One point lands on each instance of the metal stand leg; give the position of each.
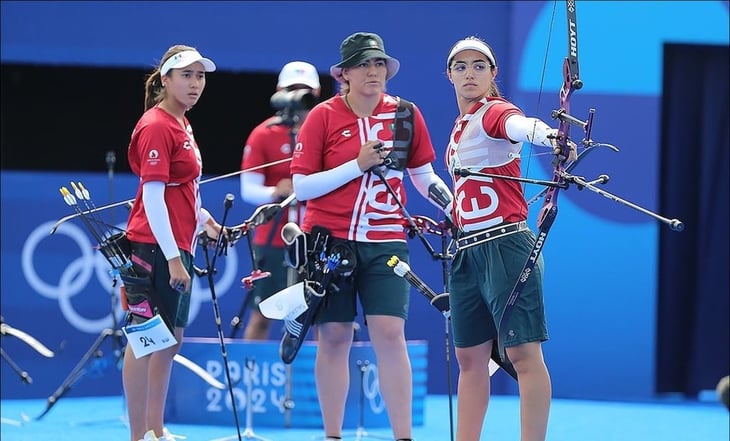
(292, 277)
(248, 433)
(449, 387)
(237, 321)
(80, 370)
(288, 401)
(24, 376)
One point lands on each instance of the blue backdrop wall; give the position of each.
(601, 257)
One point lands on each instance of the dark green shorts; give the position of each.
(380, 290)
(175, 304)
(269, 259)
(482, 278)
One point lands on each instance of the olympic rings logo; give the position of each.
(371, 388)
(76, 276)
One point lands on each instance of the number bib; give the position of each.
(148, 337)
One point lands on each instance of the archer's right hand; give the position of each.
(371, 154)
(283, 189)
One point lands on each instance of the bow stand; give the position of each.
(261, 215)
(220, 245)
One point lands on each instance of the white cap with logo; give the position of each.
(298, 72)
(185, 59)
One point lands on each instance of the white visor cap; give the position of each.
(298, 72)
(185, 59)
(473, 45)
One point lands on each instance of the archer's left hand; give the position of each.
(558, 150)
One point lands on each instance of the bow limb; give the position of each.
(199, 371)
(571, 83)
(549, 210)
(26, 338)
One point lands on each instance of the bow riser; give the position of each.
(549, 209)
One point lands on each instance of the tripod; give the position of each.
(81, 368)
(237, 321)
(93, 353)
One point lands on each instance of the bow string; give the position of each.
(549, 210)
(562, 177)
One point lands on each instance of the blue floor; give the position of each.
(92, 419)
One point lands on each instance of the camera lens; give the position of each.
(302, 99)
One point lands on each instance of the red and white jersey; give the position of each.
(161, 150)
(264, 146)
(361, 210)
(479, 143)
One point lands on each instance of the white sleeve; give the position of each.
(203, 216)
(253, 189)
(424, 178)
(317, 184)
(523, 129)
(153, 197)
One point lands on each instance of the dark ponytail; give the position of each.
(154, 91)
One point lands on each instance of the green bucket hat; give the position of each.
(362, 46)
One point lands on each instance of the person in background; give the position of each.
(723, 391)
(163, 225)
(337, 169)
(271, 142)
(493, 244)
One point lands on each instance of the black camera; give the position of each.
(301, 99)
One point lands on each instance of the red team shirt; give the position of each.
(362, 209)
(481, 202)
(161, 150)
(263, 146)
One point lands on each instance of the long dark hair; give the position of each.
(154, 92)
